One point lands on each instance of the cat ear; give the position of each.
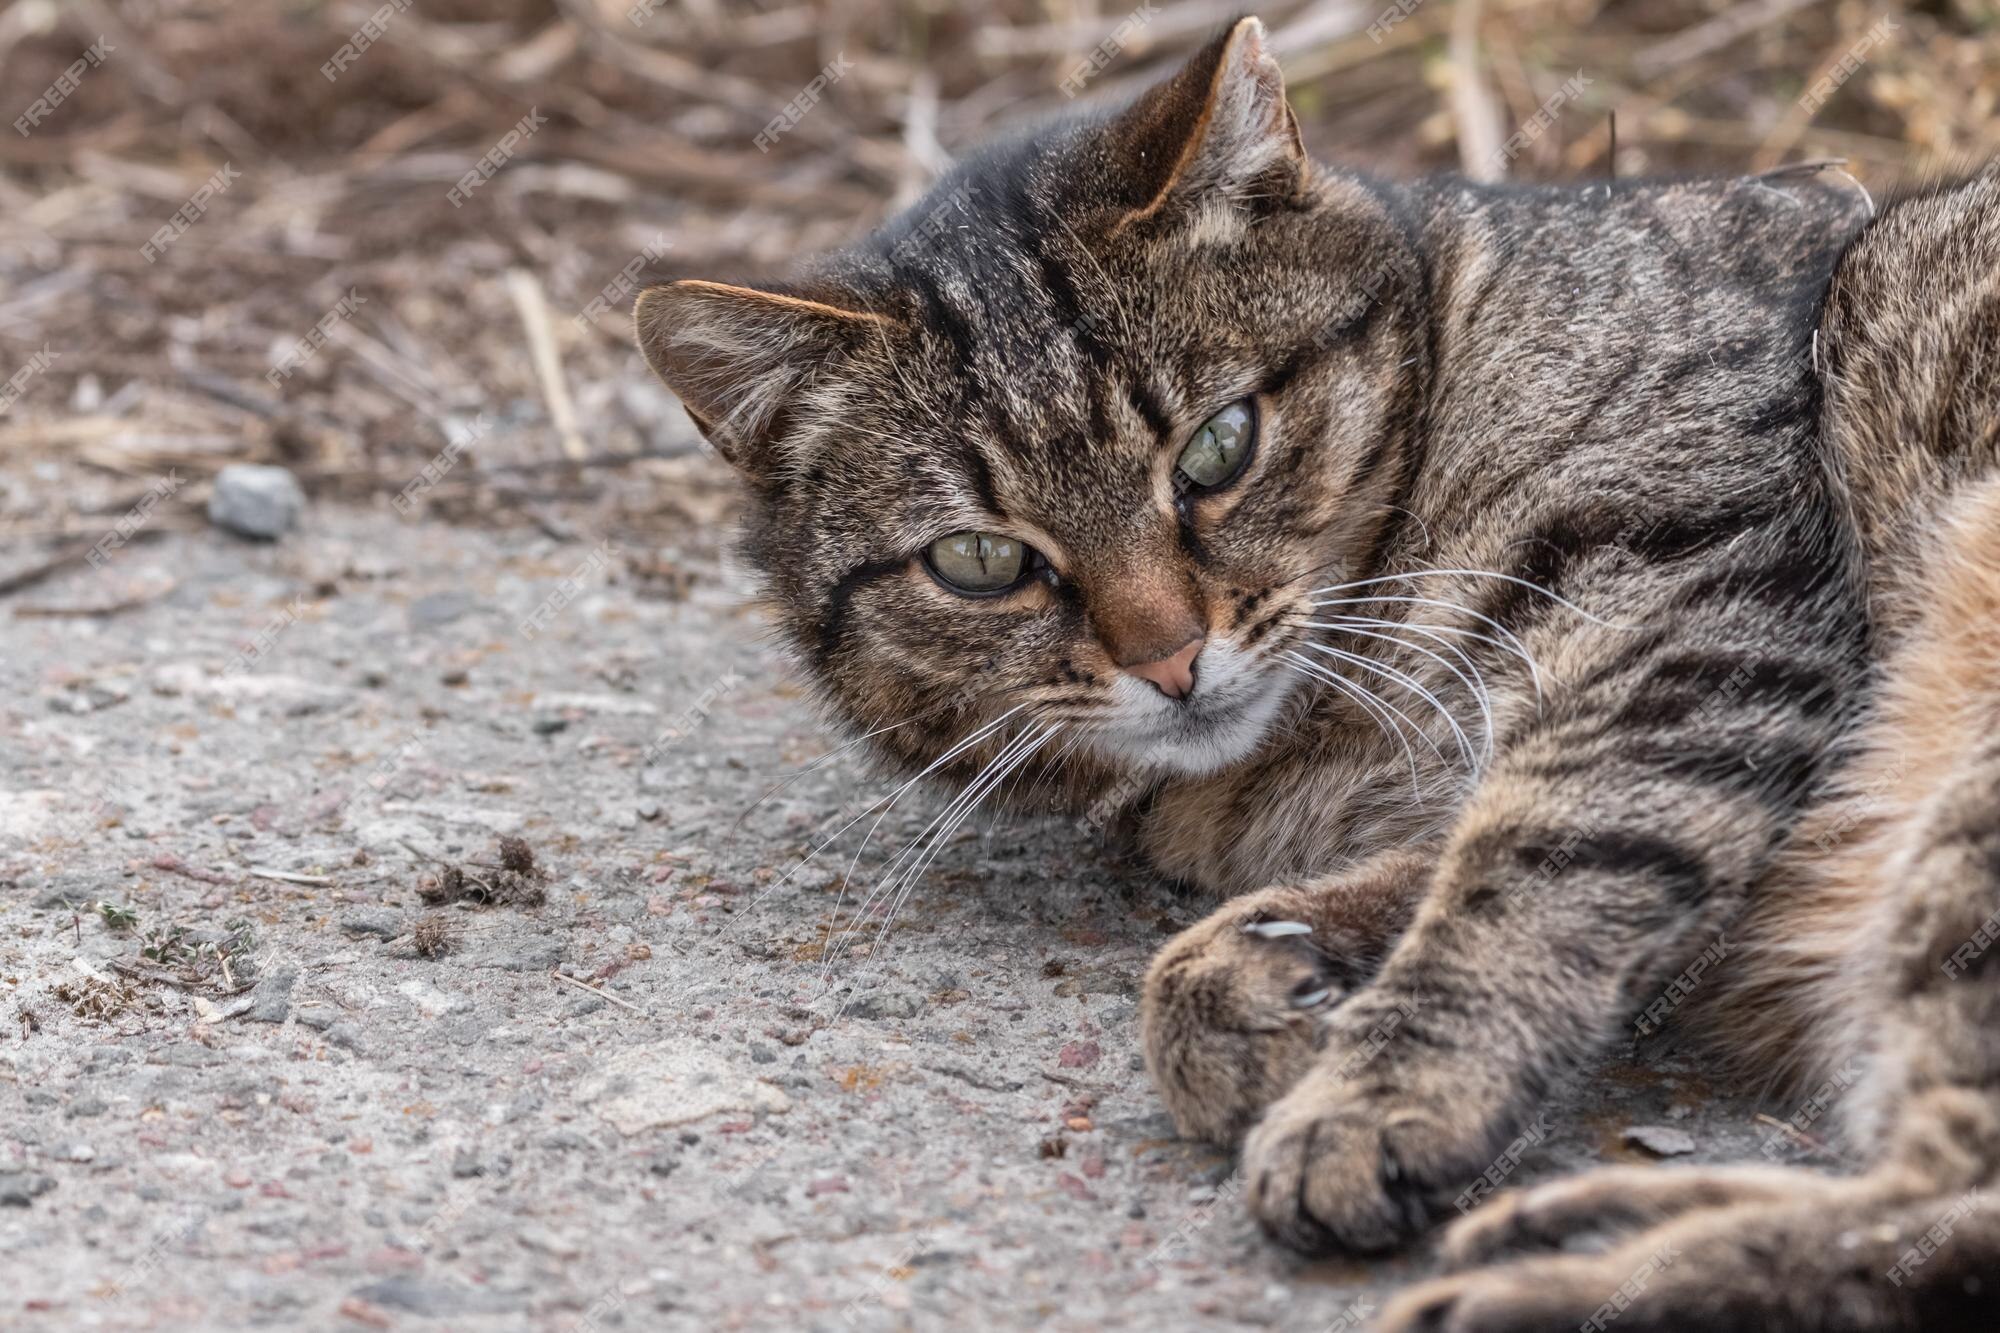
(1221, 124)
(733, 355)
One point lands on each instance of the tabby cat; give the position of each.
(1504, 596)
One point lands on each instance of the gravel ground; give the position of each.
(355, 1135)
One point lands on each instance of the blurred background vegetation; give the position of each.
(477, 314)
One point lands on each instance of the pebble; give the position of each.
(18, 1189)
(548, 1242)
(1660, 1140)
(439, 609)
(381, 924)
(255, 500)
(272, 999)
(538, 956)
(888, 1004)
(433, 1299)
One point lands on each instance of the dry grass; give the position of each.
(649, 153)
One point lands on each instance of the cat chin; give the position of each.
(1196, 741)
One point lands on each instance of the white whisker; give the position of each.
(815, 765)
(1312, 670)
(1514, 644)
(978, 735)
(902, 872)
(1478, 691)
(1557, 598)
(1408, 682)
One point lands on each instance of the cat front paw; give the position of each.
(1232, 1007)
(1364, 1152)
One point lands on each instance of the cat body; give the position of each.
(1507, 595)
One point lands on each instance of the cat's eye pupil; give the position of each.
(977, 562)
(1219, 449)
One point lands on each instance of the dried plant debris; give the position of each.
(516, 855)
(434, 936)
(95, 996)
(516, 880)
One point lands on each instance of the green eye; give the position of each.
(976, 562)
(1220, 448)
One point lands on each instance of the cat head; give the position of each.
(1070, 440)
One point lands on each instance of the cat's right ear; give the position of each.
(735, 355)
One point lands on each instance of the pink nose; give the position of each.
(1172, 676)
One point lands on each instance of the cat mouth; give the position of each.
(1204, 733)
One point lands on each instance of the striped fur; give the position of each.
(1604, 547)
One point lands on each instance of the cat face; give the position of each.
(1066, 445)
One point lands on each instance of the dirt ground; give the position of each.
(736, 1126)
(249, 1075)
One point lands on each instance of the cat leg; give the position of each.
(1610, 840)
(1231, 1011)
(1848, 1262)
(1618, 1199)
(1915, 1242)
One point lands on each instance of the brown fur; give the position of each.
(1597, 544)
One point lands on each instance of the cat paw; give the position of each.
(1786, 1251)
(1232, 1007)
(1351, 1164)
(1605, 1203)
(1392, 1121)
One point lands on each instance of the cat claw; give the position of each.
(1272, 930)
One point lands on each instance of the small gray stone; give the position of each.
(381, 924)
(888, 1004)
(318, 1018)
(18, 1189)
(273, 996)
(649, 810)
(59, 896)
(439, 609)
(761, 1054)
(432, 1299)
(345, 1035)
(189, 1054)
(255, 500)
(534, 957)
(1660, 1140)
(85, 1107)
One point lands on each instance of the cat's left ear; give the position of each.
(1220, 126)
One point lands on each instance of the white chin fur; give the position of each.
(1221, 725)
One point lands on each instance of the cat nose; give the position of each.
(1172, 676)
